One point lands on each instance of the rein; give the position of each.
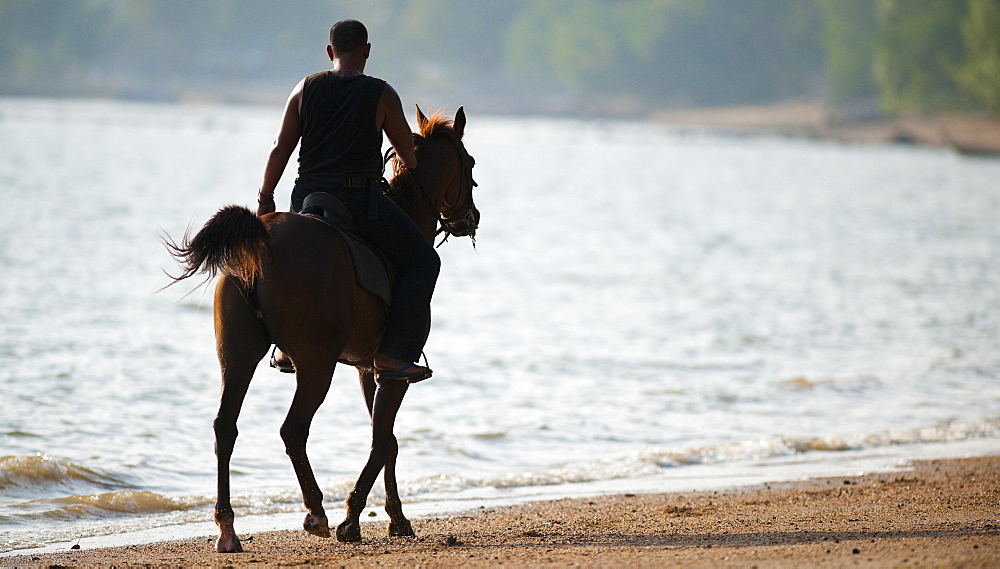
(448, 223)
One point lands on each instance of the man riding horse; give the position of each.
(339, 115)
(288, 280)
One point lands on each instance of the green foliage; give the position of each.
(580, 42)
(919, 51)
(850, 33)
(690, 52)
(980, 74)
(912, 55)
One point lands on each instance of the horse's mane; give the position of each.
(403, 187)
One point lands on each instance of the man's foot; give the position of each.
(281, 362)
(393, 369)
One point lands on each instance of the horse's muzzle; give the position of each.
(465, 225)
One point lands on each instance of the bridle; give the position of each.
(453, 221)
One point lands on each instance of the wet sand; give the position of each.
(942, 513)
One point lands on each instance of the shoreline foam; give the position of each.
(941, 512)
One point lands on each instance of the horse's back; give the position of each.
(304, 253)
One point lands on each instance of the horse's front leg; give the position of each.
(398, 524)
(312, 387)
(385, 403)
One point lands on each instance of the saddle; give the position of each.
(374, 271)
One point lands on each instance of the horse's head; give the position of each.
(443, 176)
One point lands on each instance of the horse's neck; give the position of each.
(427, 226)
(420, 207)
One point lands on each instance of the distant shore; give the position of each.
(968, 133)
(942, 513)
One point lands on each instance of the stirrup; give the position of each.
(287, 368)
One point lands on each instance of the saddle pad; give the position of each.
(373, 271)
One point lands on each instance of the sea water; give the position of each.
(646, 309)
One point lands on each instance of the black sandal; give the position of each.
(418, 374)
(401, 374)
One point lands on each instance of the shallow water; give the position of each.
(647, 308)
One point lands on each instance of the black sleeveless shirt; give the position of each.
(339, 134)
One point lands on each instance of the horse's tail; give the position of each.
(234, 242)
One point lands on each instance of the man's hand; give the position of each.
(265, 204)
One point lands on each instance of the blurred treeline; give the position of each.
(625, 56)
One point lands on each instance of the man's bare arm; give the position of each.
(281, 150)
(393, 122)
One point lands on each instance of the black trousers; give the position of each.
(417, 263)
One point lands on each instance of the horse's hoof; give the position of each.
(349, 532)
(228, 544)
(316, 525)
(401, 528)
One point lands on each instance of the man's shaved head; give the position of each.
(348, 36)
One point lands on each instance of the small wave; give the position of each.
(777, 446)
(104, 505)
(950, 431)
(40, 522)
(123, 502)
(42, 471)
(22, 434)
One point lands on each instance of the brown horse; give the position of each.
(288, 279)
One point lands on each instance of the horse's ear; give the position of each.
(460, 121)
(421, 119)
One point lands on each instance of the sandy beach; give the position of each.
(968, 133)
(942, 513)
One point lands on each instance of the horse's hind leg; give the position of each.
(384, 404)
(313, 383)
(398, 524)
(234, 389)
(241, 341)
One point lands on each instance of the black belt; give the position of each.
(357, 182)
(366, 183)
